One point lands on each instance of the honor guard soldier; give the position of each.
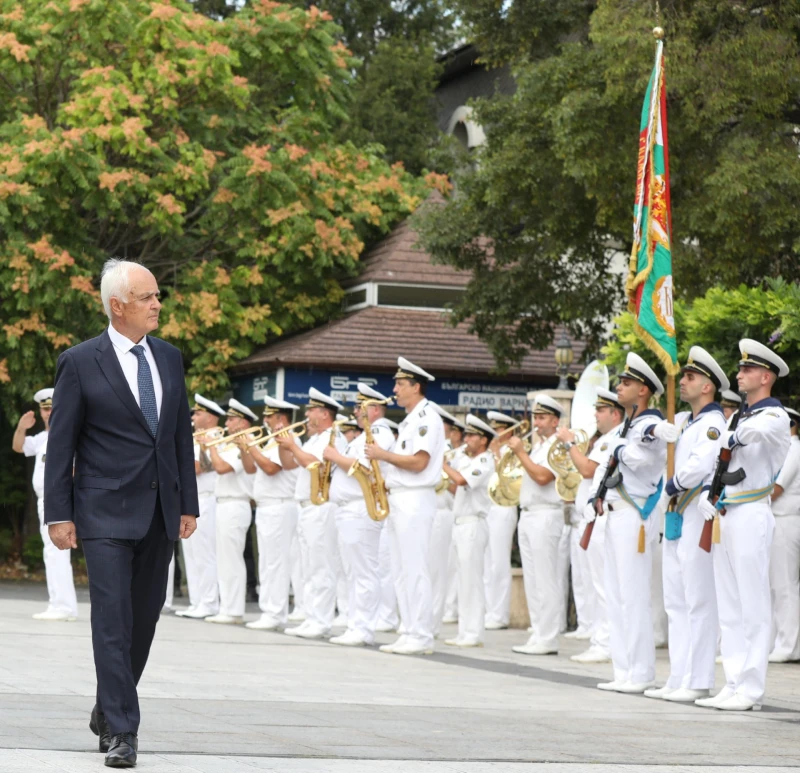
(276, 519)
(359, 535)
(502, 522)
(200, 552)
(441, 545)
(316, 526)
(628, 505)
(759, 447)
(62, 601)
(235, 470)
(730, 402)
(688, 573)
(414, 470)
(784, 565)
(540, 525)
(470, 483)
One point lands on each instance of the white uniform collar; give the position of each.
(123, 343)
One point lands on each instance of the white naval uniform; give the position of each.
(688, 573)
(276, 525)
(57, 564)
(359, 537)
(541, 525)
(318, 545)
(784, 566)
(501, 523)
(471, 536)
(200, 552)
(412, 506)
(628, 572)
(388, 619)
(233, 518)
(442, 547)
(582, 589)
(741, 559)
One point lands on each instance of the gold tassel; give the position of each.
(641, 538)
(715, 530)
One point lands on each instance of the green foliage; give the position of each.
(550, 196)
(32, 555)
(6, 544)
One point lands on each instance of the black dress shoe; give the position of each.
(122, 752)
(99, 726)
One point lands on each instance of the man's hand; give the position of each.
(188, 526)
(27, 420)
(515, 444)
(374, 451)
(565, 435)
(286, 442)
(707, 510)
(330, 454)
(63, 535)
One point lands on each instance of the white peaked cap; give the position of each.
(43, 395)
(500, 418)
(208, 405)
(406, 369)
(793, 414)
(315, 397)
(448, 417)
(607, 397)
(730, 397)
(754, 353)
(279, 405)
(702, 362)
(392, 424)
(235, 408)
(369, 393)
(480, 427)
(547, 404)
(637, 369)
(342, 417)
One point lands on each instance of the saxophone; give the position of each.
(321, 472)
(370, 478)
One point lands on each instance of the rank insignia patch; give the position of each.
(713, 433)
(476, 472)
(604, 446)
(423, 431)
(403, 444)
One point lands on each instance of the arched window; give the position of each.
(464, 129)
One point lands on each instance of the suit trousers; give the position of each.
(276, 524)
(58, 572)
(784, 580)
(200, 558)
(127, 585)
(233, 525)
(501, 523)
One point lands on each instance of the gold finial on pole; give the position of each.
(658, 33)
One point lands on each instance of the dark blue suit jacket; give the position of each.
(119, 467)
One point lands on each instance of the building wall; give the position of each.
(475, 82)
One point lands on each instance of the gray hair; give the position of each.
(115, 281)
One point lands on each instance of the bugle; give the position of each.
(298, 429)
(212, 432)
(254, 432)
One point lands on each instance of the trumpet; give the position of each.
(521, 427)
(298, 429)
(254, 432)
(213, 432)
(444, 482)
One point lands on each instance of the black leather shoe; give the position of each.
(99, 726)
(122, 752)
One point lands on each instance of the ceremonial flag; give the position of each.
(649, 284)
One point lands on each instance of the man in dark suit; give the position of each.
(120, 475)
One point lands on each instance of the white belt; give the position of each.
(467, 519)
(539, 509)
(233, 499)
(205, 493)
(266, 501)
(304, 502)
(398, 489)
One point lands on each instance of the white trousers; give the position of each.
(359, 545)
(296, 569)
(784, 580)
(627, 585)
(596, 556)
(471, 538)
(451, 597)
(318, 542)
(741, 575)
(582, 588)
(540, 535)
(501, 523)
(342, 598)
(439, 562)
(387, 609)
(411, 517)
(276, 524)
(563, 571)
(660, 623)
(200, 557)
(233, 522)
(58, 572)
(691, 604)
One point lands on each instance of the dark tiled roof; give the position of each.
(374, 337)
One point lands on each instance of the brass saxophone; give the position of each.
(321, 472)
(370, 478)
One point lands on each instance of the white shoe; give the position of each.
(718, 660)
(463, 642)
(196, 613)
(167, 609)
(391, 647)
(55, 616)
(635, 688)
(224, 619)
(534, 649)
(739, 703)
(411, 647)
(297, 616)
(264, 623)
(385, 628)
(592, 655)
(349, 639)
(578, 635)
(449, 619)
(295, 631)
(720, 697)
(610, 686)
(686, 695)
(340, 621)
(779, 657)
(494, 626)
(312, 631)
(660, 692)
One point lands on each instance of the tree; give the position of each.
(206, 150)
(546, 202)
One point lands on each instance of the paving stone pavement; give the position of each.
(223, 698)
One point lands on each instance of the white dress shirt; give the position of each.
(421, 430)
(531, 494)
(130, 365)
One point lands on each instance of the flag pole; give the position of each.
(671, 420)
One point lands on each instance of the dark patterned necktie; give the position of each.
(147, 394)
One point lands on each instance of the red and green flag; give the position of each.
(649, 284)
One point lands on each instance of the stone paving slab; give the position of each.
(223, 698)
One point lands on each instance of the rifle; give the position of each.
(602, 489)
(721, 478)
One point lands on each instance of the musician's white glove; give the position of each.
(707, 510)
(666, 431)
(589, 513)
(726, 439)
